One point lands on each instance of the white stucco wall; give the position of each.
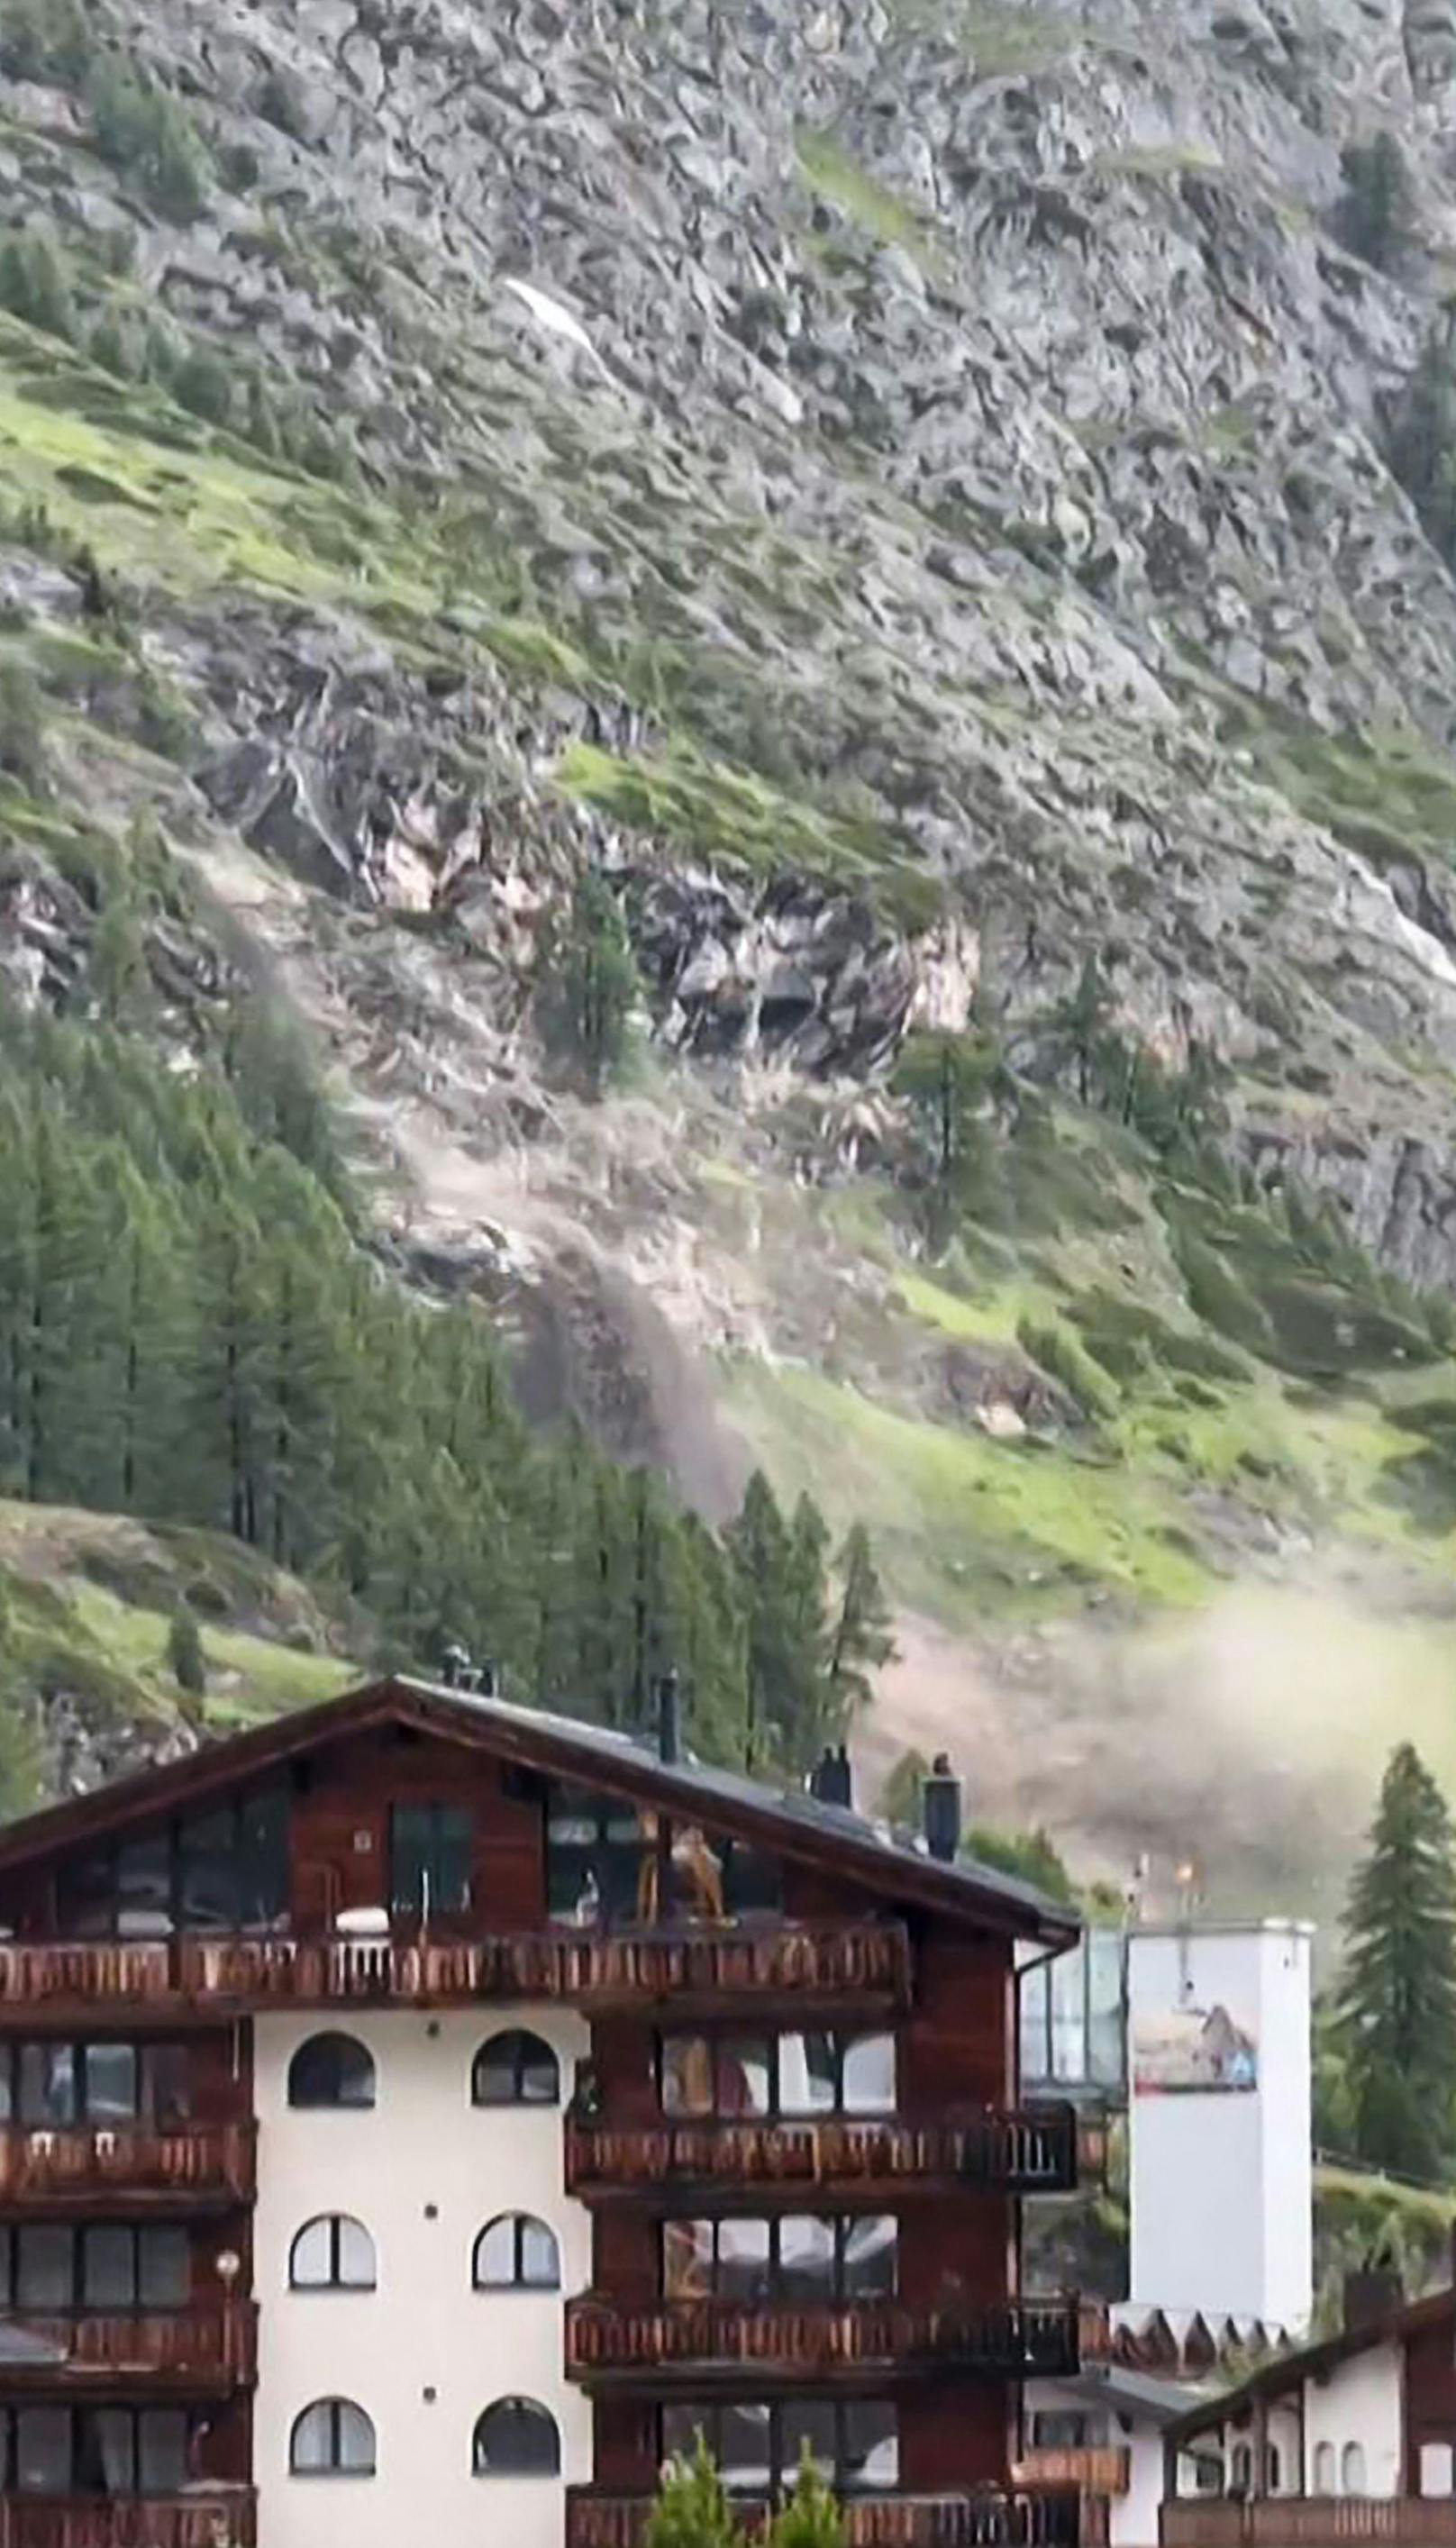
(424, 2328)
(1360, 2402)
(1133, 2523)
(1220, 2181)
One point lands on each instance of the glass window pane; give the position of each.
(751, 1882)
(86, 1896)
(108, 2267)
(870, 2258)
(806, 2259)
(449, 1888)
(808, 2424)
(105, 2451)
(43, 2266)
(681, 2427)
(743, 2448)
(48, 2083)
(539, 2267)
(1069, 2017)
(166, 2085)
(208, 1850)
(263, 1858)
(42, 2450)
(310, 2262)
(162, 2450)
(8, 2053)
(494, 2255)
(743, 2271)
(144, 1888)
(687, 2260)
(807, 2074)
(164, 2275)
(311, 2447)
(744, 2073)
(540, 2073)
(870, 2074)
(687, 2075)
(110, 2073)
(870, 2448)
(1105, 1955)
(1036, 2021)
(355, 2255)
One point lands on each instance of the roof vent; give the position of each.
(668, 1719)
(832, 1779)
(940, 1810)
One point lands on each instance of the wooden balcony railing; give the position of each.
(213, 2348)
(866, 1961)
(207, 2517)
(1030, 2150)
(151, 2164)
(1314, 2522)
(1103, 2471)
(988, 2518)
(1020, 2339)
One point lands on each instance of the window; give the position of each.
(516, 2254)
(1240, 2469)
(331, 2070)
(50, 2085)
(1352, 2469)
(1437, 2469)
(105, 2265)
(737, 2075)
(331, 2438)
(334, 2253)
(429, 1859)
(224, 1869)
(1057, 2428)
(516, 2438)
(1323, 2468)
(801, 2258)
(596, 1847)
(516, 2069)
(94, 2450)
(854, 2441)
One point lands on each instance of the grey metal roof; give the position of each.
(795, 1808)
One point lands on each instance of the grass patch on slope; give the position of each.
(837, 178)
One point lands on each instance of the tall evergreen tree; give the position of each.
(692, 2509)
(1397, 2001)
(860, 1639)
(811, 2517)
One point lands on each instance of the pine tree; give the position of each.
(599, 978)
(1397, 2001)
(950, 1082)
(811, 2517)
(781, 1584)
(692, 2509)
(860, 1641)
(186, 1660)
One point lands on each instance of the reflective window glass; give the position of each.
(870, 2075)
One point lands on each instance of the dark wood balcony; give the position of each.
(1312, 2521)
(212, 2350)
(864, 1963)
(727, 2340)
(988, 2518)
(1102, 2472)
(206, 2517)
(1031, 2150)
(184, 2167)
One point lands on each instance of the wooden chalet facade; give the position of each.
(439, 2097)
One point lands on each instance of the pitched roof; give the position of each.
(1316, 2361)
(797, 1825)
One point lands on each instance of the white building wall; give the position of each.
(1220, 2180)
(1361, 2403)
(424, 2353)
(1134, 2519)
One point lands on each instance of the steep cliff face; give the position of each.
(905, 488)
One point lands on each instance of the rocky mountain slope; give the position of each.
(906, 490)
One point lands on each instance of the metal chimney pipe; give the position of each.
(940, 1810)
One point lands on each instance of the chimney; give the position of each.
(455, 1668)
(940, 1810)
(1370, 2295)
(832, 1779)
(668, 1719)
(482, 1678)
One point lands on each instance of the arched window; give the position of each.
(1273, 2470)
(516, 2438)
(1352, 2469)
(1240, 2469)
(331, 2438)
(516, 2254)
(516, 2069)
(331, 2070)
(331, 2254)
(1324, 2468)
